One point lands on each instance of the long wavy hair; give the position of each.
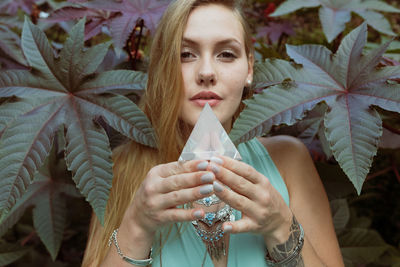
(161, 103)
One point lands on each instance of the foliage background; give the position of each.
(368, 225)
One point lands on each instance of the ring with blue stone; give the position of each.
(209, 201)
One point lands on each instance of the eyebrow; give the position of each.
(188, 41)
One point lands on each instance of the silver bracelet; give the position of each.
(294, 254)
(113, 239)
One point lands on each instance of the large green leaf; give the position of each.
(378, 5)
(341, 214)
(47, 195)
(317, 59)
(23, 148)
(76, 63)
(293, 5)
(65, 91)
(27, 200)
(327, 15)
(334, 14)
(10, 47)
(350, 85)
(120, 114)
(362, 246)
(10, 253)
(273, 72)
(49, 218)
(308, 128)
(88, 156)
(377, 21)
(10, 110)
(353, 132)
(275, 105)
(50, 210)
(283, 103)
(24, 84)
(115, 81)
(393, 51)
(40, 55)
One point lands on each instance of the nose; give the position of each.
(206, 75)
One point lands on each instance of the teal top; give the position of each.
(184, 248)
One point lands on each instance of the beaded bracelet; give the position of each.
(294, 254)
(113, 239)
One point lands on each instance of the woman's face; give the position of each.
(215, 66)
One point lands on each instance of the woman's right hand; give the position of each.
(165, 187)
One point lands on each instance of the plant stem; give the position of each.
(396, 172)
(132, 45)
(28, 238)
(378, 173)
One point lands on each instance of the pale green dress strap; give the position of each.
(183, 248)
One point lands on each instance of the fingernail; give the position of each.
(217, 187)
(198, 214)
(202, 166)
(214, 168)
(206, 189)
(227, 228)
(217, 160)
(207, 178)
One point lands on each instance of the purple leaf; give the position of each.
(274, 30)
(95, 18)
(131, 10)
(11, 6)
(121, 28)
(73, 13)
(94, 27)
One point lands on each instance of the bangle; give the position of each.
(145, 262)
(293, 254)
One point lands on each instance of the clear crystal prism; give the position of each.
(208, 139)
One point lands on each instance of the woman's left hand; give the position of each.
(263, 209)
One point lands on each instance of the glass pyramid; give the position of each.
(208, 139)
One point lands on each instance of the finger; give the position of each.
(235, 200)
(237, 183)
(183, 196)
(241, 226)
(185, 180)
(238, 167)
(173, 168)
(180, 215)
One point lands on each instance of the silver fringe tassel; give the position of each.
(216, 249)
(214, 240)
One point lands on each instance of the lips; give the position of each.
(204, 97)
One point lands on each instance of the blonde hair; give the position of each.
(161, 103)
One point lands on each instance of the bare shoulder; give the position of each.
(284, 148)
(292, 159)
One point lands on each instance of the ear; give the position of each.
(250, 67)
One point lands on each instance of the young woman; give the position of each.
(202, 53)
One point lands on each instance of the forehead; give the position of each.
(213, 21)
